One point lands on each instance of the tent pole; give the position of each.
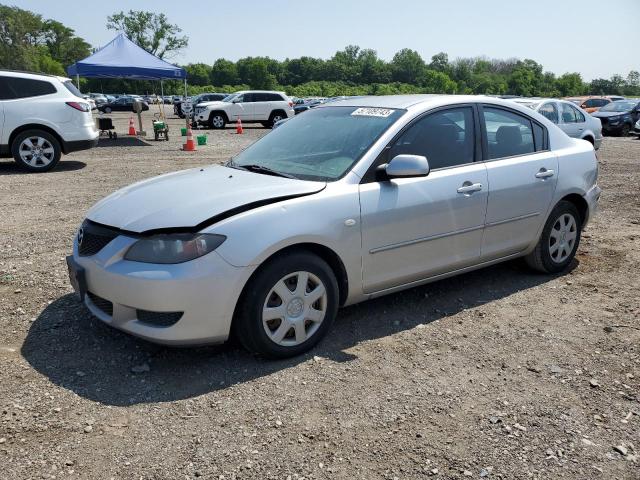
(161, 99)
(78, 81)
(185, 99)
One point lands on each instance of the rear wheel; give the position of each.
(107, 109)
(36, 150)
(559, 240)
(626, 129)
(288, 306)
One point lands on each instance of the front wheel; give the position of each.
(36, 150)
(107, 109)
(288, 306)
(626, 129)
(559, 240)
(217, 121)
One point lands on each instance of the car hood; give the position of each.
(607, 114)
(194, 199)
(208, 104)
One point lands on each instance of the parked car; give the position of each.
(619, 118)
(122, 104)
(98, 98)
(636, 128)
(199, 100)
(306, 105)
(571, 119)
(592, 104)
(42, 117)
(252, 106)
(352, 200)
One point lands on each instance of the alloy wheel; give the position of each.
(294, 308)
(36, 151)
(562, 237)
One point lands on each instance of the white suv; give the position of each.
(251, 106)
(42, 117)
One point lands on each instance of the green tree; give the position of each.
(224, 72)
(437, 82)
(407, 66)
(151, 31)
(63, 45)
(570, 84)
(198, 73)
(440, 62)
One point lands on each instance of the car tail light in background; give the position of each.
(83, 107)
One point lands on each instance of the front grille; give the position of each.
(102, 304)
(159, 319)
(94, 238)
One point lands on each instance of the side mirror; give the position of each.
(407, 166)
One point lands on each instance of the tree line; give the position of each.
(29, 42)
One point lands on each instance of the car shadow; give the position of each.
(78, 352)
(12, 168)
(122, 142)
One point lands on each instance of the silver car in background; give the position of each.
(352, 200)
(571, 119)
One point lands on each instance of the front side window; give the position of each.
(446, 138)
(508, 134)
(550, 111)
(323, 144)
(26, 87)
(568, 114)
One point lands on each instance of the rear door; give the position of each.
(262, 106)
(522, 175)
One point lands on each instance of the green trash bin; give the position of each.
(202, 139)
(183, 131)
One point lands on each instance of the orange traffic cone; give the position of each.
(132, 128)
(190, 146)
(239, 129)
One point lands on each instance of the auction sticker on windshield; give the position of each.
(372, 112)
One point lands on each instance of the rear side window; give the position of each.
(569, 114)
(579, 115)
(446, 138)
(550, 111)
(14, 87)
(72, 88)
(508, 134)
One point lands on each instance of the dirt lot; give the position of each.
(498, 374)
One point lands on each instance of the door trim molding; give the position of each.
(424, 239)
(513, 219)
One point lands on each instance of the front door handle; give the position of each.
(544, 173)
(468, 187)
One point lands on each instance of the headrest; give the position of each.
(509, 135)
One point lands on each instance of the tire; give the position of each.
(107, 109)
(266, 124)
(559, 240)
(275, 117)
(36, 150)
(307, 314)
(217, 121)
(626, 129)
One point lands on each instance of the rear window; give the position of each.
(14, 87)
(72, 88)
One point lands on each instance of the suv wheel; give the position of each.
(559, 240)
(36, 150)
(288, 306)
(217, 121)
(275, 118)
(626, 128)
(107, 109)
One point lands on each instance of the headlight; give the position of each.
(614, 119)
(173, 248)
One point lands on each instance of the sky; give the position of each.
(596, 38)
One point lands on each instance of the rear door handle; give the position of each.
(468, 187)
(544, 173)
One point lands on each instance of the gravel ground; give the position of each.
(497, 374)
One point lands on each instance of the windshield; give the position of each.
(322, 144)
(618, 107)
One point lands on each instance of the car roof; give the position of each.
(34, 75)
(408, 101)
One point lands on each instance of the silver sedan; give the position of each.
(352, 200)
(571, 119)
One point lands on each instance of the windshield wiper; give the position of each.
(262, 169)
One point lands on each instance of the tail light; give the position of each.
(83, 107)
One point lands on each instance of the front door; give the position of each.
(522, 175)
(242, 107)
(414, 228)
